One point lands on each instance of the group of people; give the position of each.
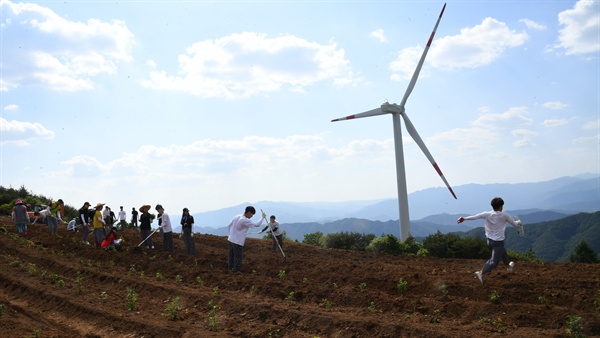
(105, 233)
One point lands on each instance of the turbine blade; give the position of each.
(413, 133)
(373, 112)
(415, 76)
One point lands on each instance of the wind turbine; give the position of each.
(397, 111)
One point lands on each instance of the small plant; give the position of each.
(36, 332)
(216, 290)
(273, 333)
(159, 276)
(111, 263)
(335, 285)
(199, 281)
(289, 298)
(435, 317)
(372, 308)
(103, 295)
(61, 283)
(282, 274)
(32, 269)
(597, 301)
(498, 325)
(304, 280)
(2, 306)
(132, 298)
(362, 286)
(213, 318)
(142, 274)
(402, 286)
(574, 327)
(53, 278)
(15, 263)
(178, 278)
(79, 283)
(252, 291)
(173, 309)
(444, 289)
(495, 297)
(132, 269)
(327, 303)
(543, 300)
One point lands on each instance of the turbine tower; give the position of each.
(397, 111)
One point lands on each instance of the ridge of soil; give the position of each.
(56, 286)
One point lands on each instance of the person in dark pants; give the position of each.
(187, 223)
(146, 225)
(134, 218)
(275, 232)
(84, 221)
(238, 227)
(164, 223)
(495, 226)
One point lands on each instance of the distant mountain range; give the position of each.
(564, 196)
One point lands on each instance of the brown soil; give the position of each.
(314, 292)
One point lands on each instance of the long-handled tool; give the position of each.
(149, 236)
(275, 238)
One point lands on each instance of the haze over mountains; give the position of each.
(562, 196)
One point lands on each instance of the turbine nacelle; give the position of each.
(392, 108)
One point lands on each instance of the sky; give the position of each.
(211, 104)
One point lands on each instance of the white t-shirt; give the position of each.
(495, 223)
(122, 215)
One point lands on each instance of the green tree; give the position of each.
(316, 238)
(584, 253)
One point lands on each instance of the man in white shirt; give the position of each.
(238, 227)
(122, 218)
(495, 225)
(164, 223)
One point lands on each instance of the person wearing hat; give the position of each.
(164, 223)
(187, 223)
(98, 223)
(19, 216)
(146, 225)
(84, 221)
(238, 227)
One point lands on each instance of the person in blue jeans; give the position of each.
(495, 226)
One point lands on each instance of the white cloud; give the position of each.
(379, 35)
(11, 107)
(47, 49)
(475, 47)
(554, 105)
(581, 28)
(525, 138)
(406, 62)
(533, 25)
(514, 116)
(591, 125)
(245, 64)
(22, 133)
(555, 122)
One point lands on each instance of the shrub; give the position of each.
(385, 244)
(316, 238)
(453, 246)
(348, 241)
(584, 253)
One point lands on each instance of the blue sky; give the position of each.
(212, 104)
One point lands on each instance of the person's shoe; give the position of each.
(479, 276)
(511, 266)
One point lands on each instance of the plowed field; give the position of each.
(55, 286)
